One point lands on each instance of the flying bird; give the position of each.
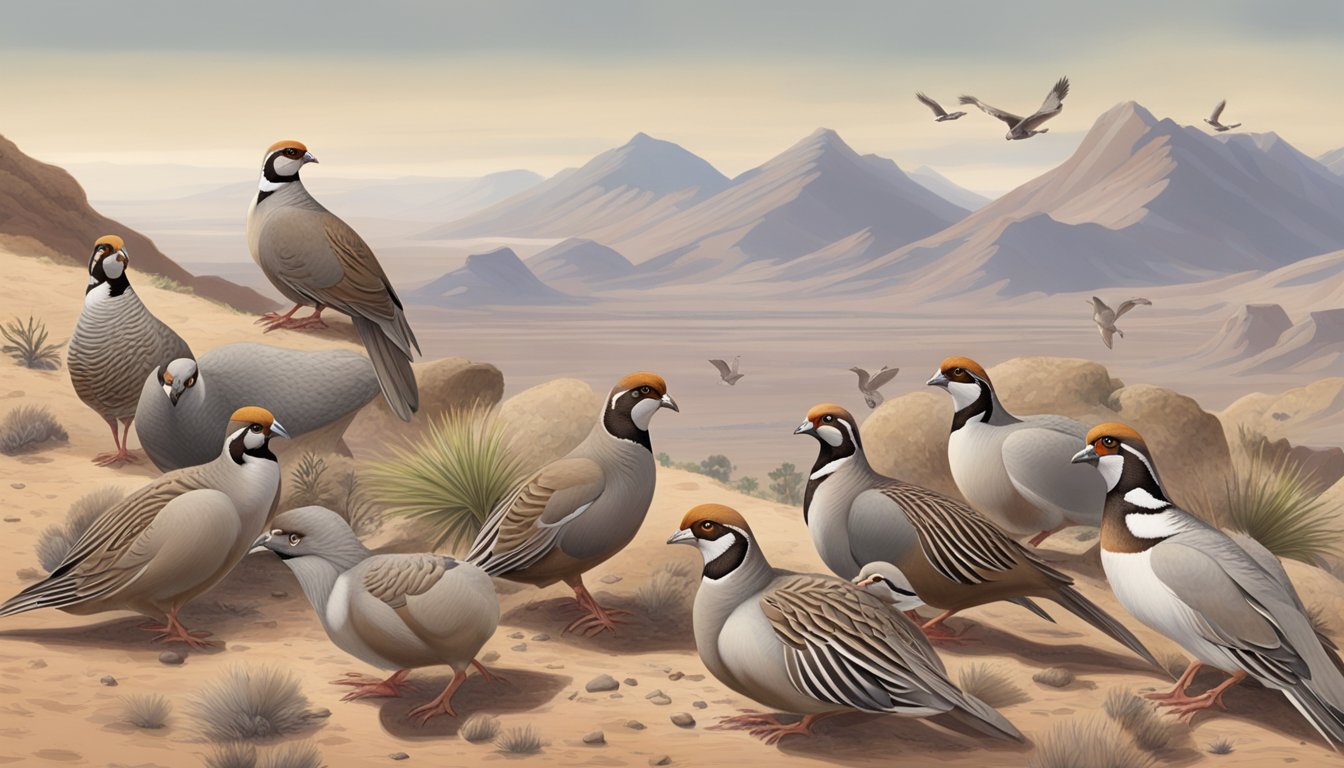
(1217, 113)
(940, 115)
(729, 374)
(1105, 317)
(869, 385)
(1026, 127)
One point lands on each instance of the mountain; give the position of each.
(945, 188)
(615, 194)
(1141, 201)
(1252, 330)
(43, 204)
(496, 277)
(1333, 161)
(1314, 346)
(579, 264)
(816, 205)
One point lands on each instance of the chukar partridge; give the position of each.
(117, 341)
(317, 260)
(576, 512)
(954, 558)
(1231, 609)
(809, 644)
(1015, 471)
(173, 539)
(186, 401)
(395, 612)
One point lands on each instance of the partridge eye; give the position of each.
(958, 371)
(294, 539)
(191, 382)
(707, 526)
(255, 428)
(1109, 442)
(828, 418)
(644, 390)
(291, 152)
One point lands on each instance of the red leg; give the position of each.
(172, 631)
(274, 320)
(1040, 538)
(443, 703)
(934, 629)
(768, 728)
(1187, 707)
(366, 687)
(122, 455)
(596, 619)
(1177, 693)
(304, 323)
(490, 677)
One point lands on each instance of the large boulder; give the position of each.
(1187, 442)
(447, 385)
(1062, 385)
(548, 420)
(906, 437)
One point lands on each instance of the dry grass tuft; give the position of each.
(28, 345)
(233, 755)
(479, 728)
(1221, 747)
(667, 593)
(28, 429)
(991, 685)
(251, 704)
(1087, 743)
(1055, 677)
(55, 542)
(519, 741)
(146, 710)
(1140, 719)
(303, 754)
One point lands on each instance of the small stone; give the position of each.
(631, 681)
(541, 638)
(683, 720)
(699, 705)
(660, 760)
(602, 684)
(610, 579)
(521, 647)
(634, 725)
(399, 756)
(661, 701)
(12, 519)
(675, 676)
(109, 681)
(37, 664)
(596, 737)
(171, 657)
(17, 486)
(653, 693)
(616, 696)
(320, 714)
(279, 593)
(573, 695)
(695, 678)
(555, 666)
(515, 635)
(489, 656)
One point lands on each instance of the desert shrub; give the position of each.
(718, 467)
(146, 710)
(169, 284)
(787, 484)
(313, 482)
(1055, 677)
(519, 741)
(28, 344)
(302, 754)
(1139, 718)
(251, 704)
(55, 542)
(991, 685)
(748, 485)
(307, 482)
(479, 728)
(28, 428)
(233, 755)
(667, 592)
(664, 460)
(1221, 747)
(453, 478)
(1087, 743)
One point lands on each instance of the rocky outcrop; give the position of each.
(1252, 330)
(447, 385)
(548, 420)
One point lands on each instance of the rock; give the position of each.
(616, 696)
(906, 437)
(520, 648)
(541, 638)
(515, 635)
(634, 725)
(489, 656)
(12, 519)
(452, 384)
(610, 578)
(399, 756)
(683, 720)
(171, 657)
(659, 698)
(17, 486)
(631, 681)
(279, 593)
(660, 760)
(654, 692)
(695, 678)
(676, 676)
(28, 574)
(699, 705)
(550, 419)
(596, 737)
(1187, 442)
(109, 681)
(602, 684)
(37, 664)
(1253, 329)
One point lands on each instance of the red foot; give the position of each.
(1040, 538)
(114, 458)
(596, 619)
(174, 632)
(288, 321)
(366, 687)
(767, 727)
(1187, 706)
(442, 704)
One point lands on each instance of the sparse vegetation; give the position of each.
(1139, 718)
(748, 485)
(1087, 743)
(479, 727)
(663, 459)
(1221, 747)
(718, 467)
(169, 284)
(302, 754)
(28, 344)
(29, 428)
(991, 685)
(667, 593)
(55, 542)
(311, 483)
(453, 478)
(519, 741)
(1055, 677)
(146, 710)
(251, 704)
(787, 484)
(233, 755)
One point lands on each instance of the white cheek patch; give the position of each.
(254, 440)
(113, 268)
(1111, 467)
(100, 292)
(1157, 525)
(643, 412)
(963, 394)
(712, 550)
(831, 435)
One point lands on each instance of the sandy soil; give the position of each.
(51, 663)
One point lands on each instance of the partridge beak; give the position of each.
(308, 158)
(1086, 456)
(668, 402)
(684, 536)
(938, 380)
(278, 431)
(173, 395)
(260, 544)
(804, 428)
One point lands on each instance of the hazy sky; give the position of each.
(465, 88)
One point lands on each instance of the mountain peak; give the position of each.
(1126, 111)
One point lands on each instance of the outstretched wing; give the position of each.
(1218, 111)
(1132, 303)
(1007, 117)
(1053, 105)
(931, 104)
(863, 378)
(882, 377)
(724, 369)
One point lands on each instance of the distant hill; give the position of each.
(579, 265)
(1333, 161)
(496, 277)
(947, 189)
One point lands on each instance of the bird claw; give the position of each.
(765, 727)
(113, 458)
(431, 710)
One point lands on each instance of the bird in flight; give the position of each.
(1217, 113)
(1026, 127)
(1105, 317)
(728, 373)
(869, 385)
(939, 114)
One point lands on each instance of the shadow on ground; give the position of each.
(525, 690)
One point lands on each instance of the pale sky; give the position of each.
(465, 88)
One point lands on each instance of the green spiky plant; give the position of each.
(28, 344)
(453, 477)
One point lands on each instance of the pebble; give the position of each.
(279, 593)
(17, 486)
(683, 720)
(12, 519)
(631, 681)
(37, 664)
(610, 579)
(171, 657)
(695, 678)
(515, 635)
(634, 725)
(109, 681)
(654, 693)
(659, 698)
(541, 638)
(675, 676)
(616, 696)
(555, 666)
(519, 647)
(660, 760)
(596, 737)
(489, 656)
(399, 756)
(699, 705)
(601, 684)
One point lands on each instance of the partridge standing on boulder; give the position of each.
(396, 612)
(810, 644)
(1015, 471)
(954, 558)
(173, 539)
(576, 512)
(1230, 608)
(315, 259)
(117, 341)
